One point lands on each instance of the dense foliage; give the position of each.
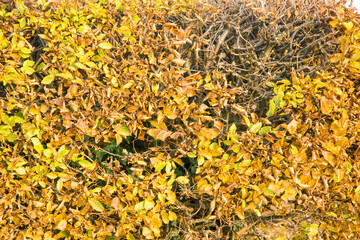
(179, 120)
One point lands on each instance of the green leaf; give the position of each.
(48, 79)
(277, 100)
(40, 66)
(95, 204)
(105, 45)
(256, 127)
(267, 192)
(265, 130)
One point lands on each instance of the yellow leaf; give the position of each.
(246, 121)
(256, 127)
(159, 134)
(240, 214)
(201, 160)
(326, 105)
(348, 25)
(178, 61)
(156, 224)
(51, 175)
(333, 23)
(147, 233)
(20, 171)
(105, 45)
(329, 157)
(25, 50)
(275, 188)
(267, 192)
(232, 128)
(123, 130)
(59, 185)
(149, 204)
(61, 225)
(81, 66)
(182, 180)
(313, 230)
(140, 206)
(292, 126)
(48, 79)
(257, 212)
(165, 216)
(191, 155)
(171, 196)
(95, 204)
(172, 216)
(84, 163)
(128, 85)
(289, 194)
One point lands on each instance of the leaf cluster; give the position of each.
(178, 119)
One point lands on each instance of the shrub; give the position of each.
(178, 119)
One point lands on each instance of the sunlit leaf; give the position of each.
(62, 225)
(160, 166)
(37, 144)
(11, 137)
(182, 180)
(264, 130)
(149, 204)
(123, 130)
(95, 204)
(267, 192)
(147, 233)
(52, 175)
(140, 206)
(256, 127)
(105, 45)
(129, 236)
(84, 163)
(191, 155)
(232, 128)
(172, 216)
(59, 185)
(48, 79)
